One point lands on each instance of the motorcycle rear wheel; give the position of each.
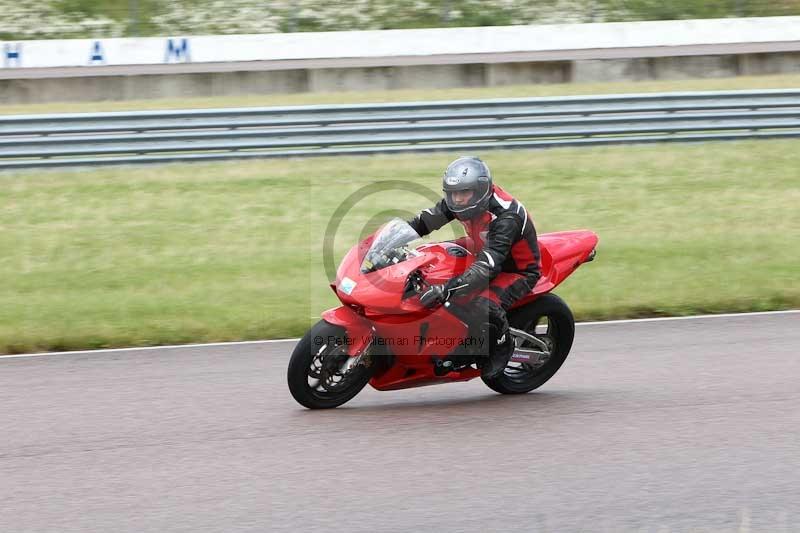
(549, 319)
(321, 375)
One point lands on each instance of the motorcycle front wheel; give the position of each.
(321, 374)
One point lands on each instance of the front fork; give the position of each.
(360, 333)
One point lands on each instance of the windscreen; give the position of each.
(388, 248)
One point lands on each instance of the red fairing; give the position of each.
(562, 253)
(381, 292)
(378, 305)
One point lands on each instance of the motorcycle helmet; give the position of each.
(463, 176)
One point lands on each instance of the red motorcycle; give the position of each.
(384, 336)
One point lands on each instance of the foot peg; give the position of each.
(442, 366)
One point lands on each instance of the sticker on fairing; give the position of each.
(347, 285)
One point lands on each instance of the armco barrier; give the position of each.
(30, 141)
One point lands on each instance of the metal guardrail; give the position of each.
(31, 141)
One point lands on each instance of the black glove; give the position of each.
(435, 295)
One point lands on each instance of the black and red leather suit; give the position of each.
(507, 262)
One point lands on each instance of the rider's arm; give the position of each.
(504, 231)
(432, 219)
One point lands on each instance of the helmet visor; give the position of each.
(458, 201)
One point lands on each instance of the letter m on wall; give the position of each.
(177, 51)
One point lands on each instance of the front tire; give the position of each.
(549, 319)
(321, 375)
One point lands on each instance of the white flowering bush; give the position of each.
(218, 17)
(29, 19)
(247, 16)
(48, 19)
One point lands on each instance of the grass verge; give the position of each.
(512, 91)
(228, 251)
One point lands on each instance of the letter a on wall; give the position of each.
(97, 55)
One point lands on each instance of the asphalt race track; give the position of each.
(685, 425)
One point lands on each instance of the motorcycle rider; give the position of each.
(507, 266)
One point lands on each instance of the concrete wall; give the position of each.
(386, 47)
(175, 67)
(194, 84)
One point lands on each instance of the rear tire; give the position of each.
(520, 378)
(318, 374)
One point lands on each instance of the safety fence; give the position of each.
(31, 141)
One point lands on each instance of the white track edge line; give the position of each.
(269, 341)
(692, 317)
(149, 348)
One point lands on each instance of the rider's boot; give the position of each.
(500, 351)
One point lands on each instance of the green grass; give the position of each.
(512, 91)
(213, 252)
